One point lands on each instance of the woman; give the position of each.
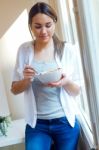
(50, 115)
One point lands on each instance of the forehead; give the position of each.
(41, 18)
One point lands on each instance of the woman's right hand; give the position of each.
(21, 85)
(28, 72)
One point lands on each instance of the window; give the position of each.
(82, 23)
(70, 31)
(89, 38)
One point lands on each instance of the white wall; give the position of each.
(17, 34)
(10, 10)
(13, 32)
(4, 109)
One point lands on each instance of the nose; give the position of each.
(43, 30)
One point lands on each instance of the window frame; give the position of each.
(82, 9)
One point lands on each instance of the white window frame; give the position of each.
(68, 26)
(86, 52)
(88, 59)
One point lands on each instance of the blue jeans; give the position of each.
(46, 132)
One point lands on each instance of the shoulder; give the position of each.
(24, 46)
(69, 50)
(24, 50)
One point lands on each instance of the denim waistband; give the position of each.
(50, 120)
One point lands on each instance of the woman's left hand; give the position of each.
(59, 83)
(70, 87)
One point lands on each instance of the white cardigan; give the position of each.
(68, 63)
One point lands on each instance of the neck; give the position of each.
(40, 46)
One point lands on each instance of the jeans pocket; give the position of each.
(63, 120)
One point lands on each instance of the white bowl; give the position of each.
(50, 76)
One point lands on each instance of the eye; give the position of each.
(38, 27)
(48, 25)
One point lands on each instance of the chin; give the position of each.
(44, 40)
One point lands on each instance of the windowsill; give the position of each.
(15, 134)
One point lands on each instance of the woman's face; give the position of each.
(43, 27)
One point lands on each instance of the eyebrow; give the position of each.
(41, 24)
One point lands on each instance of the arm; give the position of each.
(72, 88)
(21, 85)
(70, 84)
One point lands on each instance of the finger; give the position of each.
(48, 85)
(55, 83)
(63, 75)
(29, 74)
(29, 67)
(28, 70)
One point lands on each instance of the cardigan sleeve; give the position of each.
(70, 63)
(19, 65)
(24, 56)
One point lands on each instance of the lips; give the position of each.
(44, 37)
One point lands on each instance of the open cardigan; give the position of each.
(68, 63)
